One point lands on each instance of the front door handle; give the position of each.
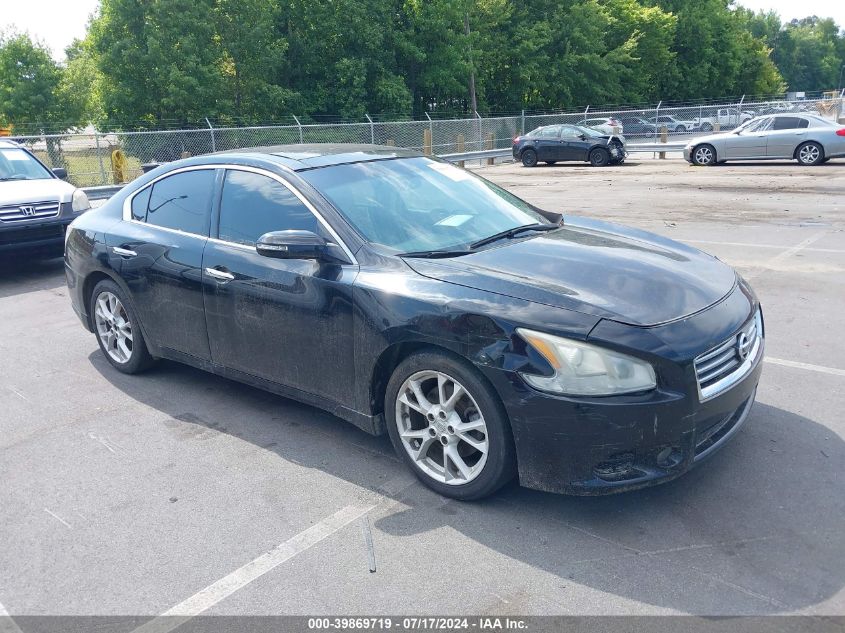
(221, 275)
(123, 252)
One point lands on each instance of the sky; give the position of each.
(58, 22)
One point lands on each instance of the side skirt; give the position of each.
(372, 424)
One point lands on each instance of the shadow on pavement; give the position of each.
(761, 522)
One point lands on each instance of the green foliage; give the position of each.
(29, 84)
(176, 62)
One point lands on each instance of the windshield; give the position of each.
(18, 164)
(419, 204)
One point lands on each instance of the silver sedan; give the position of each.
(807, 138)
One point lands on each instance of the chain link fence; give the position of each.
(104, 158)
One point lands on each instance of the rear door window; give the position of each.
(182, 202)
(789, 123)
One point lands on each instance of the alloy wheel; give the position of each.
(113, 327)
(441, 427)
(809, 154)
(704, 155)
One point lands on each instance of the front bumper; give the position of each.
(592, 446)
(688, 154)
(34, 237)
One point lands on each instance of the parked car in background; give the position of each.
(553, 143)
(807, 138)
(607, 125)
(672, 124)
(488, 338)
(36, 205)
(723, 117)
(638, 126)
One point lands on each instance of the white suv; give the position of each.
(36, 205)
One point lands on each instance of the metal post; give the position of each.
(478, 129)
(522, 127)
(100, 158)
(211, 131)
(372, 130)
(461, 147)
(739, 111)
(299, 125)
(430, 131)
(584, 120)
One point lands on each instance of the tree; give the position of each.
(160, 61)
(29, 83)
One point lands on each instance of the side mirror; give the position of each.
(583, 137)
(60, 172)
(291, 245)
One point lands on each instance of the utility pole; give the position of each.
(473, 101)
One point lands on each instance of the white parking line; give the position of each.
(7, 624)
(750, 245)
(833, 371)
(789, 252)
(225, 587)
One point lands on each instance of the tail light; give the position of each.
(840, 132)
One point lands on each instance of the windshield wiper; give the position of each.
(512, 233)
(435, 254)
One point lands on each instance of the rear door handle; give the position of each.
(123, 252)
(222, 275)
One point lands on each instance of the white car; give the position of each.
(807, 138)
(606, 125)
(36, 204)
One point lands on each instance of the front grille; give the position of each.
(29, 211)
(721, 367)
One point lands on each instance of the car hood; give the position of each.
(605, 270)
(43, 190)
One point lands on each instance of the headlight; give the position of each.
(80, 201)
(582, 369)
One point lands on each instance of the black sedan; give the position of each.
(553, 143)
(489, 338)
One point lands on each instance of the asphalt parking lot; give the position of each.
(139, 495)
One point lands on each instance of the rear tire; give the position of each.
(704, 155)
(707, 127)
(599, 157)
(810, 154)
(462, 444)
(117, 329)
(529, 158)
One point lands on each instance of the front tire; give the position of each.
(449, 426)
(810, 154)
(704, 155)
(116, 326)
(529, 158)
(599, 157)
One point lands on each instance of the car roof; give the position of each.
(8, 143)
(314, 155)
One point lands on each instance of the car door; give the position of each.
(158, 250)
(287, 321)
(548, 143)
(572, 146)
(748, 142)
(786, 134)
